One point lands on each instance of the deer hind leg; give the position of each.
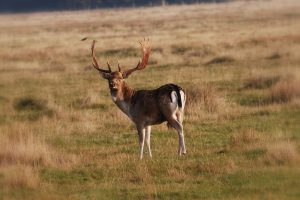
(179, 116)
(179, 128)
(174, 117)
(148, 135)
(141, 134)
(180, 111)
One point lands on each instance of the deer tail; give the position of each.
(177, 89)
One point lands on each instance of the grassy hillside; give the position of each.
(61, 136)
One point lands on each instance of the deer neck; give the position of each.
(122, 98)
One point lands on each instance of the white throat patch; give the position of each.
(122, 105)
(114, 98)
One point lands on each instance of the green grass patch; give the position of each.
(255, 153)
(176, 49)
(252, 100)
(220, 60)
(266, 183)
(126, 52)
(74, 176)
(30, 108)
(30, 103)
(261, 82)
(87, 104)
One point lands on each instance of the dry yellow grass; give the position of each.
(281, 152)
(23, 154)
(205, 97)
(247, 137)
(261, 81)
(205, 102)
(27, 149)
(285, 91)
(19, 176)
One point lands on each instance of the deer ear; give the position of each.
(125, 75)
(105, 75)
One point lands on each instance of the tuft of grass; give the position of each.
(274, 56)
(87, 103)
(205, 96)
(32, 109)
(19, 176)
(246, 137)
(280, 153)
(261, 82)
(220, 60)
(30, 150)
(30, 103)
(180, 50)
(284, 91)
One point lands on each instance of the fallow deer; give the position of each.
(145, 107)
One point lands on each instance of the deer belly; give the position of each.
(154, 118)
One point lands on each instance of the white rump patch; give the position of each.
(182, 95)
(173, 97)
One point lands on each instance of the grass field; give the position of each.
(61, 136)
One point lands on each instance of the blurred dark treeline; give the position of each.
(48, 5)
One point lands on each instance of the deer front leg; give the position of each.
(148, 135)
(141, 134)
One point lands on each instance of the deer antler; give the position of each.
(145, 49)
(95, 63)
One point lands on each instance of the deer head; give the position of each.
(116, 78)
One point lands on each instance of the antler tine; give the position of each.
(94, 62)
(119, 67)
(108, 65)
(145, 51)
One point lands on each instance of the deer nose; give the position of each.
(111, 84)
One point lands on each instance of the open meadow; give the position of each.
(62, 137)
